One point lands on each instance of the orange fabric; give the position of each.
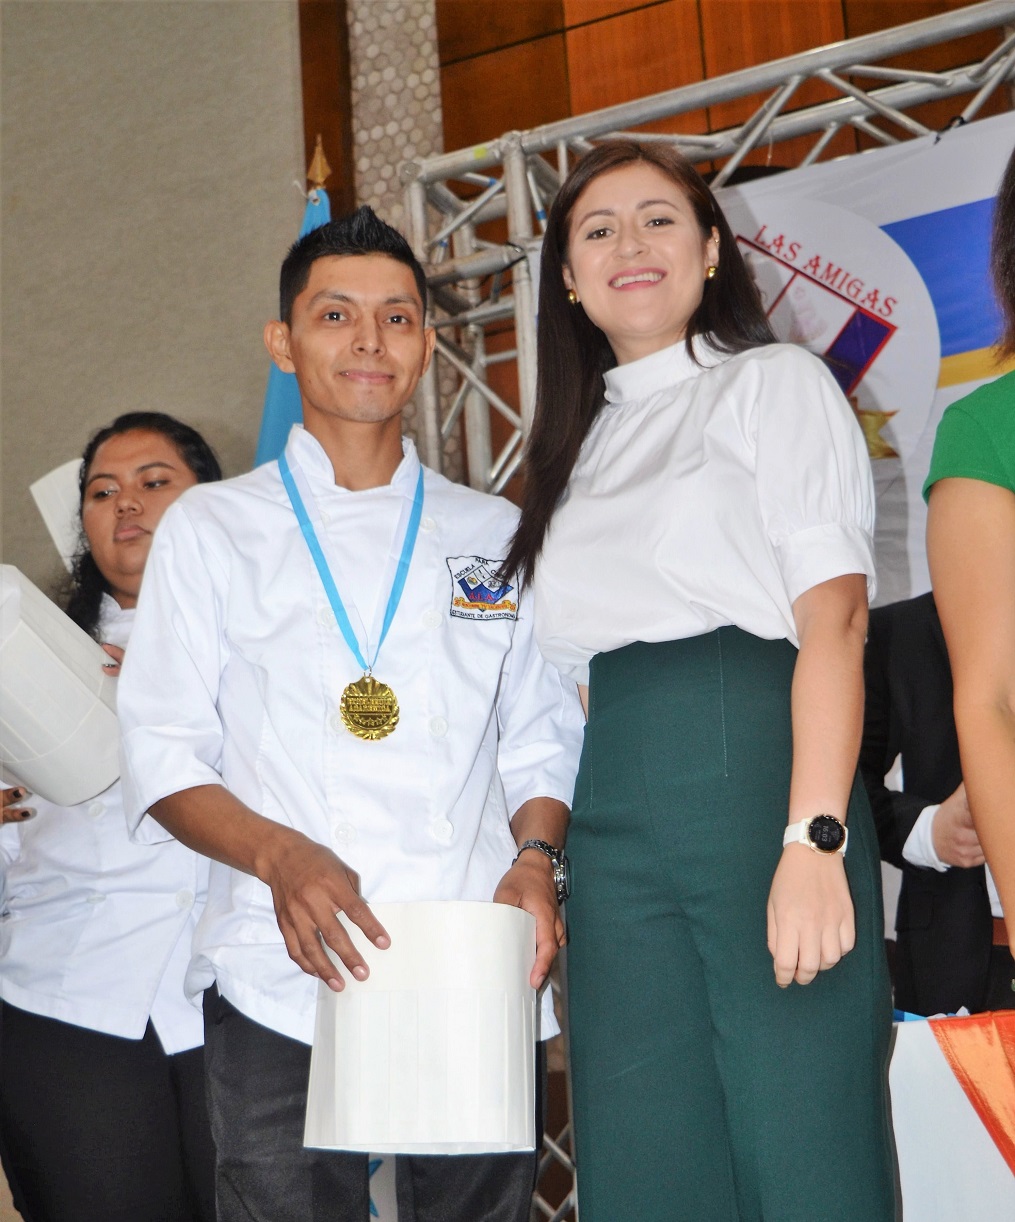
(981, 1052)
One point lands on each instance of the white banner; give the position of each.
(879, 263)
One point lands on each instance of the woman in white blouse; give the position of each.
(102, 1107)
(701, 543)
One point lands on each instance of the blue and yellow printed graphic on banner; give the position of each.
(951, 251)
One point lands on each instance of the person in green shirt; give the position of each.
(971, 549)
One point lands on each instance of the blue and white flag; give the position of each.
(282, 406)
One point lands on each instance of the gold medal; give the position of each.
(369, 708)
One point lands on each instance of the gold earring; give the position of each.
(572, 296)
(710, 273)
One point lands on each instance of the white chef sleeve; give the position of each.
(540, 720)
(171, 734)
(814, 482)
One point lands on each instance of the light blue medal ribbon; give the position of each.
(368, 707)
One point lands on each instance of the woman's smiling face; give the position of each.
(637, 259)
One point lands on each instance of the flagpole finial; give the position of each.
(319, 170)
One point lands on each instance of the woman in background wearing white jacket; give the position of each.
(102, 1110)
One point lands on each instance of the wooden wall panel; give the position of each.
(518, 87)
(327, 95)
(471, 27)
(645, 51)
(866, 16)
(744, 33)
(578, 12)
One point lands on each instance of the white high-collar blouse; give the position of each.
(704, 495)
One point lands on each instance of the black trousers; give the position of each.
(257, 1096)
(95, 1128)
(1000, 980)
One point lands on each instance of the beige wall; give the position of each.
(148, 154)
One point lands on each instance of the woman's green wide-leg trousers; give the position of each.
(702, 1091)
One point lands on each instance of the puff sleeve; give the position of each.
(814, 484)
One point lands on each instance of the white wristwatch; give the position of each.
(822, 833)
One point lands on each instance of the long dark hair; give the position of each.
(573, 353)
(1002, 257)
(86, 586)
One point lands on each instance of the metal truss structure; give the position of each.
(517, 176)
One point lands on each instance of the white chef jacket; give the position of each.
(704, 495)
(235, 674)
(94, 929)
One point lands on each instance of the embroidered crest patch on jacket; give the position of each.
(476, 591)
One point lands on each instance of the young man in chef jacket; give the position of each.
(339, 716)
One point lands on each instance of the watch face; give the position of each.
(826, 833)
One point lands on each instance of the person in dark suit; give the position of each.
(951, 950)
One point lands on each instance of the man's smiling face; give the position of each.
(357, 341)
